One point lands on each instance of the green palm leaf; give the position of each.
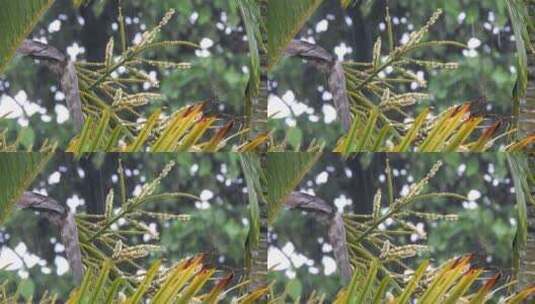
(519, 19)
(285, 19)
(252, 171)
(188, 281)
(17, 19)
(250, 12)
(454, 282)
(17, 171)
(254, 104)
(284, 172)
(519, 167)
(256, 244)
(521, 14)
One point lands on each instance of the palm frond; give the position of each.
(187, 129)
(17, 19)
(18, 172)
(285, 19)
(518, 13)
(256, 243)
(254, 26)
(187, 281)
(519, 167)
(283, 173)
(454, 130)
(455, 281)
(97, 229)
(367, 242)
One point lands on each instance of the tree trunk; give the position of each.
(256, 243)
(258, 123)
(526, 118)
(526, 123)
(259, 256)
(526, 273)
(258, 119)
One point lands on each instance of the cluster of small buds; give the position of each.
(433, 171)
(434, 216)
(402, 252)
(434, 18)
(377, 53)
(149, 36)
(377, 205)
(403, 100)
(168, 15)
(109, 204)
(450, 217)
(149, 188)
(136, 100)
(167, 216)
(417, 187)
(417, 36)
(168, 64)
(435, 64)
(168, 167)
(135, 252)
(108, 61)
